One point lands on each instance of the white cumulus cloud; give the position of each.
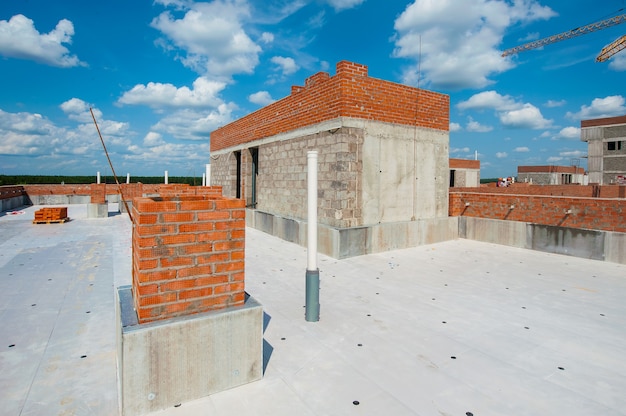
(618, 62)
(527, 117)
(20, 39)
(261, 98)
(458, 42)
(190, 124)
(512, 113)
(78, 110)
(475, 126)
(212, 37)
(455, 127)
(501, 155)
(456, 150)
(153, 139)
(339, 5)
(205, 93)
(489, 100)
(555, 103)
(611, 106)
(287, 65)
(569, 133)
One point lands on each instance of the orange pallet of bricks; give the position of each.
(51, 215)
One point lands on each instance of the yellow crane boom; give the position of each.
(567, 35)
(611, 49)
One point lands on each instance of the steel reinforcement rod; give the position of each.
(119, 188)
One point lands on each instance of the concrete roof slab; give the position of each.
(390, 325)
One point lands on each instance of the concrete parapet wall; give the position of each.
(59, 199)
(7, 204)
(569, 241)
(356, 241)
(615, 247)
(12, 203)
(508, 233)
(162, 364)
(343, 243)
(12, 197)
(590, 244)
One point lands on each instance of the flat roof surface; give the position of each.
(455, 328)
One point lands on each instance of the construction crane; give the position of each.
(608, 51)
(611, 49)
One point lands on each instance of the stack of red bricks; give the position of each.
(188, 255)
(48, 215)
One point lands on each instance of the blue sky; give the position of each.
(161, 75)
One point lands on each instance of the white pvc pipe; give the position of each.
(128, 178)
(204, 179)
(312, 210)
(166, 178)
(98, 178)
(208, 174)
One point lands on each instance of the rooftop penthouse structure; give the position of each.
(383, 171)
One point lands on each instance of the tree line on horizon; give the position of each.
(78, 180)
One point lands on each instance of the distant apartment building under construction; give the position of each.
(606, 141)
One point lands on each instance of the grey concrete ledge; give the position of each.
(341, 243)
(576, 242)
(165, 363)
(349, 242)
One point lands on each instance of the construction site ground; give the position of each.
(455, 328)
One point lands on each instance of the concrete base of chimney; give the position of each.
(165, 363)
(97, 210)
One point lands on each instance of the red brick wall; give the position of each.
(590, 213)
(350, 93)
(7, 192)
(551, 169)
(98, 192)
(188, 255)
(603, 121)
(464, 164)
(574, 190)
(58, 189)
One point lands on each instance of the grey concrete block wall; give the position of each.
(369, 172)
(165, 363)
